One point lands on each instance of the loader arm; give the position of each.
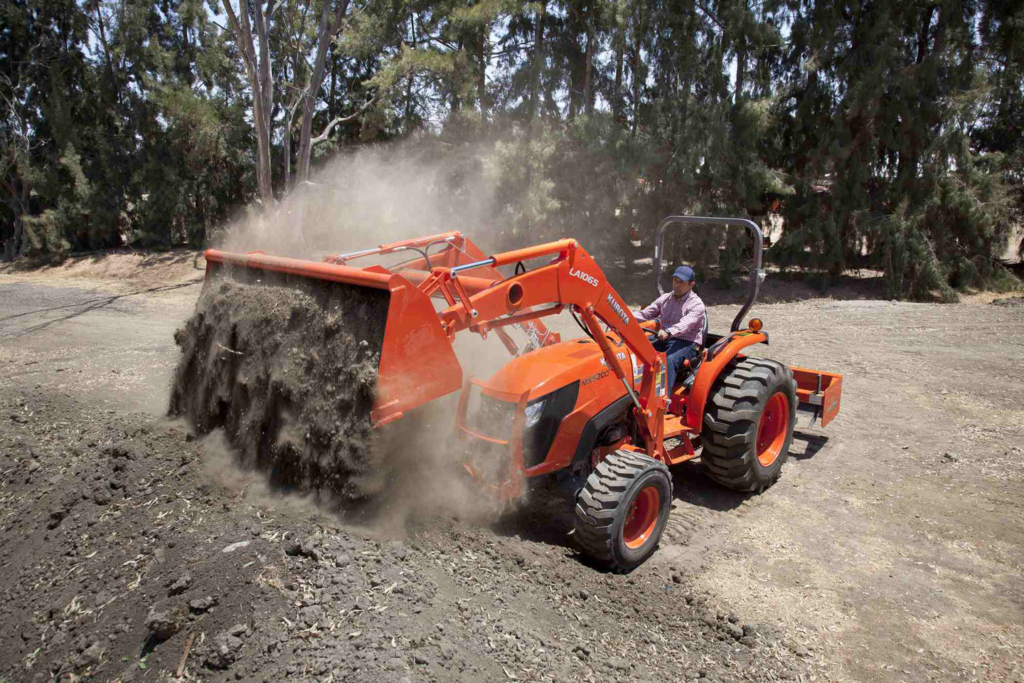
(573, 278)
(456, 250)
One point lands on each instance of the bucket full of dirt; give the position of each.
(298, 362)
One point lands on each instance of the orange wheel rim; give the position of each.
(642, 517)
(771, 430)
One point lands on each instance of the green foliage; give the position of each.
(892, 133)
(883, 124)
(911, 266)
(67, 224)
(525, 190)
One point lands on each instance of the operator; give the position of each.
(681, 314)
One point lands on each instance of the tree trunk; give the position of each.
(456, 101)
(15, 246)
(687, 67)
(538, 57)
(620, 44)
(588, 95)
(262, 90)
(408, 86)
(481, 55)
(922, 34)
(266, 69)
(106, 50)
(638, 36)
(329, 27)
(287, 143)
(741, 68)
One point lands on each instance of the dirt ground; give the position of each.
(890, 550)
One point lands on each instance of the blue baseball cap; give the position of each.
(684, 273)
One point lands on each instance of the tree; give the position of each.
(259, 71)
(331, 23)
(892, 131)
(886, 96)
(16, 142)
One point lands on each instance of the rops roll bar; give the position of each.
(756, 275)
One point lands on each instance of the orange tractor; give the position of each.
(593, 415)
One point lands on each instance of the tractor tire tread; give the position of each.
(731, 420)
(599, 502)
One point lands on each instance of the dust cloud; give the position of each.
(420, 479)
(358, 201)
(376, 195)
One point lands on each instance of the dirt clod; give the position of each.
(180, 586)
(162, 624)
(225, 651)
(202, 605)
(90, 656)
(733, 630)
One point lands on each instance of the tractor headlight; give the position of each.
(533, 413)
(542, 420)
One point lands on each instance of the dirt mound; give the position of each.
(288, 368)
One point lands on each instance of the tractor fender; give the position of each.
(717, 358)
(609, 415)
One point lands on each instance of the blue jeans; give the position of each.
(676, 351)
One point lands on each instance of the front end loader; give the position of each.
(592, 416)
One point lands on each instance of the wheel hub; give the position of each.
(642, 517)
(772, 429)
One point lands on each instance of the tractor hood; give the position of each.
(544, 370)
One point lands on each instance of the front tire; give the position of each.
(622, 511)
(748, 424)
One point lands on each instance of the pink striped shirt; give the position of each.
(682, 318)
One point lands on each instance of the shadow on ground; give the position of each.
(150, 259)
(805, 445)
(547, 517)
(81, 308)
(691, 485)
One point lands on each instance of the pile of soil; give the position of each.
(287, 366)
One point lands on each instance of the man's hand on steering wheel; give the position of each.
(662, 335)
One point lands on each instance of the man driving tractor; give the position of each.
(682, 317)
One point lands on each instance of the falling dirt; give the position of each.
(288, 370)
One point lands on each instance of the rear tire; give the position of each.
(622, 510)
(748, 424)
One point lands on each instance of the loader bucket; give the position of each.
(415, 359)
